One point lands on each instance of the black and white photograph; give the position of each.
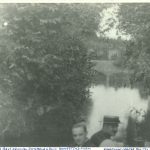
(75, 74)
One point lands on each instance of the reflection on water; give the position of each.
(108, 101)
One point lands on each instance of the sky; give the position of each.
(110, 17)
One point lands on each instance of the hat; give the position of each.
(111, 119)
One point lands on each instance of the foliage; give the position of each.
(134, 20)
(145, 127)
(46, 67)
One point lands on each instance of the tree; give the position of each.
(134, 20)
(48, 68)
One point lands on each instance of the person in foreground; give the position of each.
(109, 129)
(79, 132)
(111, 143)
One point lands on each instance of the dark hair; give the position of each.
(78, 125)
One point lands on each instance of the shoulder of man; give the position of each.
(89, 143)
(107, 143)
(111, 143)
(96, 134)
(95, 138)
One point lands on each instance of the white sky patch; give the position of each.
(109, 24)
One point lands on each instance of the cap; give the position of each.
(111, 119)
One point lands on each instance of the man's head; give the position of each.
(79, 132)
(110, 125)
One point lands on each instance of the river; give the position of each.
(109, 101)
